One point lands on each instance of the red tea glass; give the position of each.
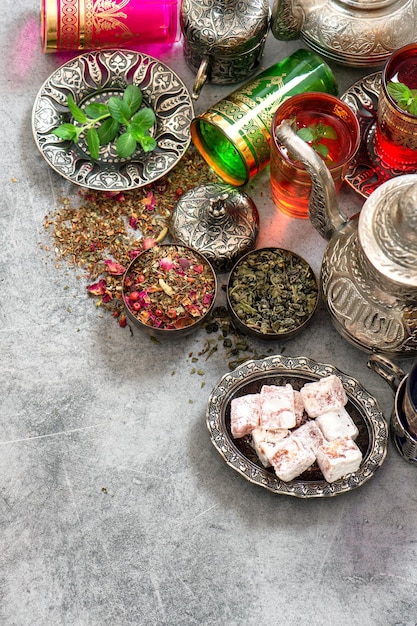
(336, 137)
(396, 128)
(94, 24)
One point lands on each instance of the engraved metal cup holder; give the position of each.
(404, 440)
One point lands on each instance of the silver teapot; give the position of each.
(369, 270)
(357, 33)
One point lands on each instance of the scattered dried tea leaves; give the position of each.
(116, 226)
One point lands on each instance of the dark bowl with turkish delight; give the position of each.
(272, 293)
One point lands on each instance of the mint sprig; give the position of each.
(405, 97)
(121, 119)
(315, 133)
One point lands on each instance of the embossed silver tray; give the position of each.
(366, 172)
(89, 76)
(278, 370)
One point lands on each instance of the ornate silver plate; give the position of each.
(91, 76)
(278, 370)
(366, 172)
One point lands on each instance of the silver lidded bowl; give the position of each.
(223, 40)
(271, 294)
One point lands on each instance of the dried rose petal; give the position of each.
(149, 201)
(166, 264)
(198, 268)
(113, 268)
(117, 195)
(184, 263)
(133, 222)
(98, 289)
(148, 242)
(207, 299)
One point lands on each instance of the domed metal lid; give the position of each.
(388, 229)
(224, 27)
(218, 220)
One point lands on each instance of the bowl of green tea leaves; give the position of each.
(272, 293)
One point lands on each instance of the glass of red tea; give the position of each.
(396, 128)
(330, 127)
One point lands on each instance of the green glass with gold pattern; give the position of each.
(234, 135)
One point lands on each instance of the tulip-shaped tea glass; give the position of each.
(396, 128)
(330, 127)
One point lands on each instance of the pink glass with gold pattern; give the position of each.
(98, 24)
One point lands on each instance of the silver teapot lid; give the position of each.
(224, 27)
(218, 220)
(387, 229)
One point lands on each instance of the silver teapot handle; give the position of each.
(389, 371)
(323, 209)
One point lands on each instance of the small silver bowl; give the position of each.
(169, 291)
(272, 294)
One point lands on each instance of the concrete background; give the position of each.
(115, 508)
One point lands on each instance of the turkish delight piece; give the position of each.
(264, 442)
(277, 407)
(244, 414)
(337, 424)
(310, 434)
(338, 458)
(291, 458)
(323, 395)
(300, 414)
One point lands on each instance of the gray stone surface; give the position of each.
(115, 508)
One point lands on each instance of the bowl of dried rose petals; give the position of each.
(272, 293)
(169, 290)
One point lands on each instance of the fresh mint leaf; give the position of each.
(398, 91)
(321, 149)
(404, 97)
(66, 131)
(413, 106)
(314, 134)
(143, 120)
(133, 97)
(108, 130)
(126, 145)
(93, 143)
(306, 134)
(102, 123)
(325, 131)
(75, 111)
(147, 143)
(96, 109)
(119, 110)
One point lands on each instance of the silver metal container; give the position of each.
(404, 440)
(223, 39)
(356, 33)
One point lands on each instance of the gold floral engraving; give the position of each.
(105, 16)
